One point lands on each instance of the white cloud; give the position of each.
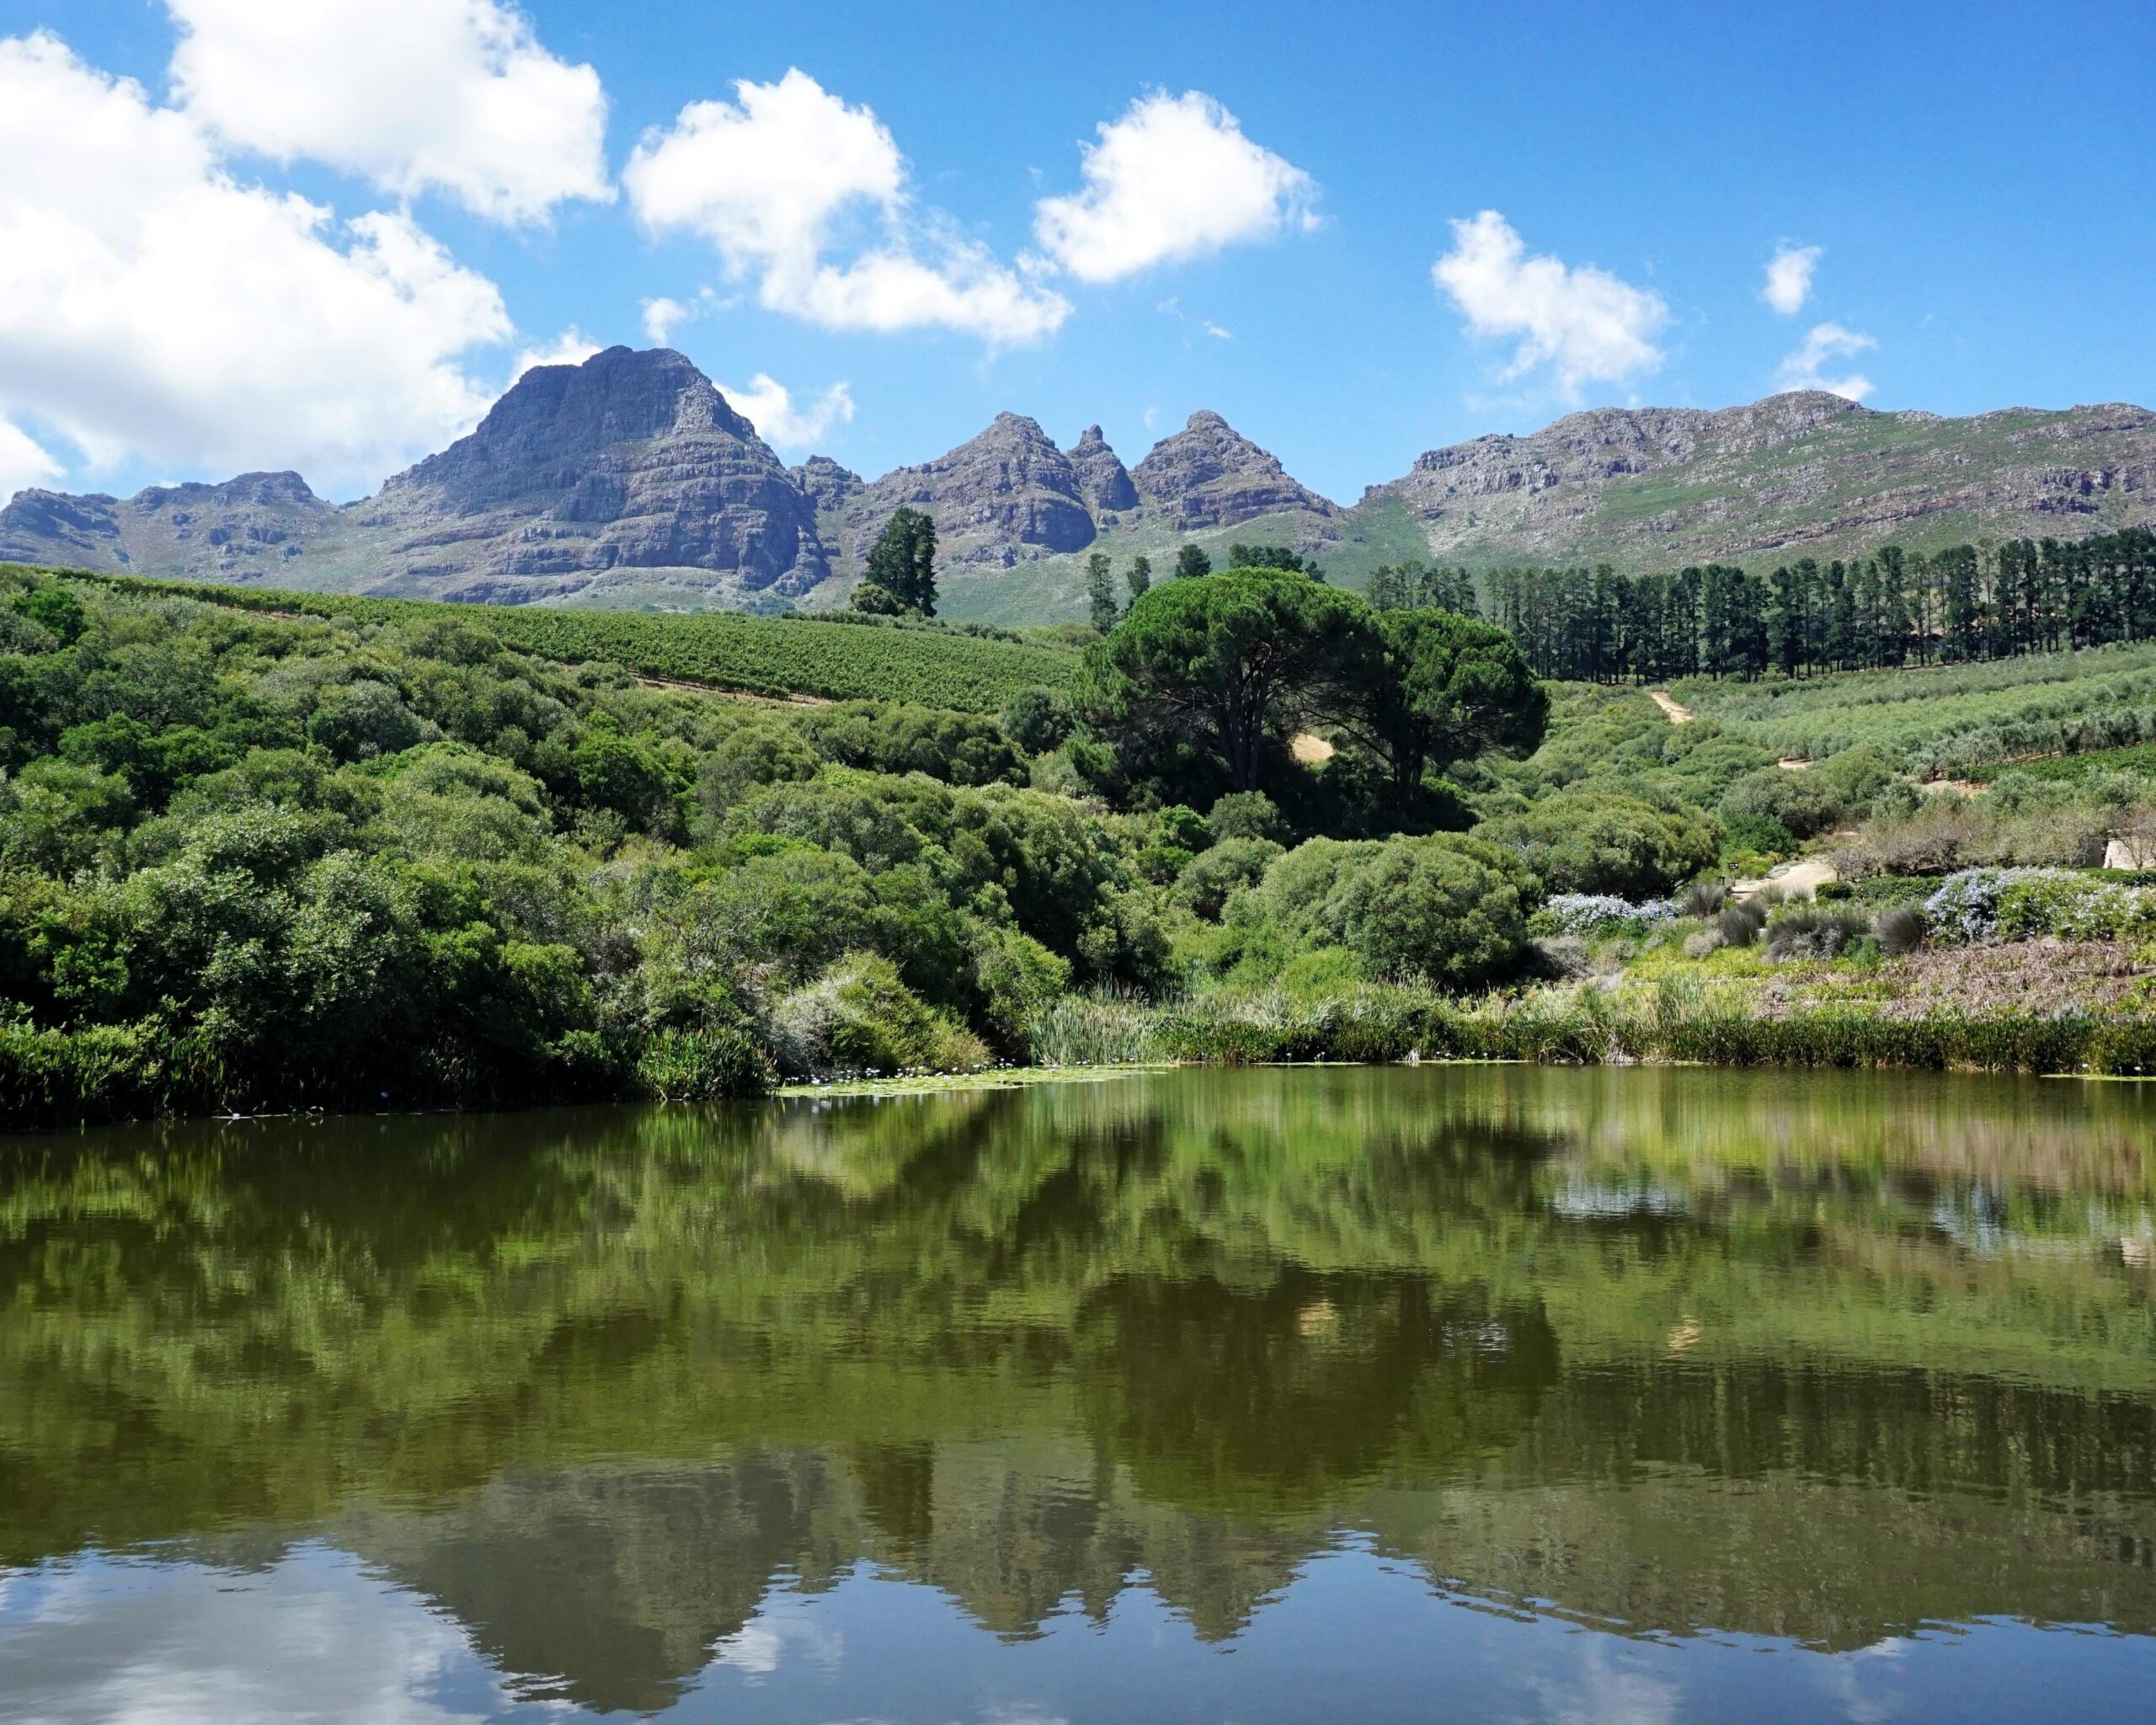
(22, 461)
(1829, 342)
(152, 305)
(768, 405)
(1174, 177)
(415, 95)
(1214, 330)
(1788, 284)
(572, 347)
(662, 315)
(665, 315)
(1584, 323)
(788, 173)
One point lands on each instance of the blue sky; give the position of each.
(1974, 187)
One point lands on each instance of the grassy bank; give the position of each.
(1594, 1027)
(101, 1074)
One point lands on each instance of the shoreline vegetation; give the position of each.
(266, 853)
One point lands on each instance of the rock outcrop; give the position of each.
(993, 498)
(1103, 481)
(1209, 475)
(825, 484)
(242, 528)
(630, 460)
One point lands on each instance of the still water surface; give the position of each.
(1470, 1393)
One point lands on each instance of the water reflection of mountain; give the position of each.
(1662, 1351)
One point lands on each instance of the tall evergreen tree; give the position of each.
(1100, 592)
(901, 566)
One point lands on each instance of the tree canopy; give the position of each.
(1272, 557)
(901, 566)
(1100, 605)
(1451, 687)
(1228, 660)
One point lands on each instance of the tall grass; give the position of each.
(1099, 1029)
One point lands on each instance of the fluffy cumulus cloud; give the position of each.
(455, 96)
(153, 305)
(1788, 284)
(1582, 323)
(662, 316)
(1173, 178)
(22, 461)
(769, 405)
(809, 200)
(1828, 344)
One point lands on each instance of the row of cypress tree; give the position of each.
(1889, 609)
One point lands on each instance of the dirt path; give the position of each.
(1671, 710)
(1796, 880)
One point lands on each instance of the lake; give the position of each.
(1470, 1393)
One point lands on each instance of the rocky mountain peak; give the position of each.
(1103, 481)
(826, 483)
(269, 491)
(630, 460)
(1008, 487)
(1209, 475)
(557, 417)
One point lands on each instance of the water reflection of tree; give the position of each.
(1023, 1345)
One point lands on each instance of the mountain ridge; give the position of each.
(630, 481)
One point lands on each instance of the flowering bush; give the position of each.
(2023, 904)
(1586, 913)
(1966, 906)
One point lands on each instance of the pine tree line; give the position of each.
(1890, 609)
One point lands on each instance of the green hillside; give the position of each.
(876, 660)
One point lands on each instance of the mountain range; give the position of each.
(628, 481)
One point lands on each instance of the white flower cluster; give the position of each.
(1584, 913)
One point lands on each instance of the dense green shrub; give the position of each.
(1801, 803)
(1600, 841)
(1446, 908)
(1860, 774)
(859, 1018)
(1248, 814)
(1207, 880)
(960, 748)
(752, 757)
(1037, 721)
(1018, 980)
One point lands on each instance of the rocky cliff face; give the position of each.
(1806, 471)
(993, 498)
(248, 527)
(1103, 481)
(1011, 498)
(825, 484)
(628, 460)
(1209, 475)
